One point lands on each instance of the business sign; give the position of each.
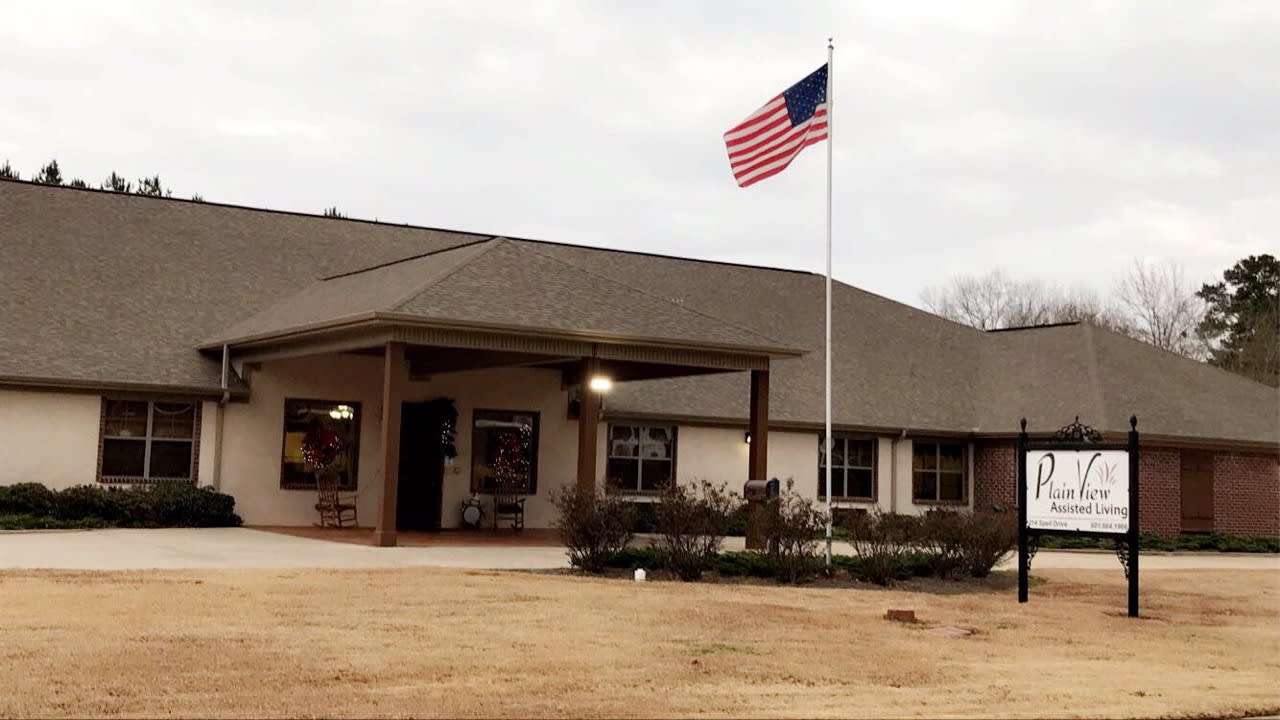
(1078, 490)
(1075, 482)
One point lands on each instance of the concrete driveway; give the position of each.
(234, 548)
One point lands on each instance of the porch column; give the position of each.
(758, 426)
(395, 375)
(588, 426)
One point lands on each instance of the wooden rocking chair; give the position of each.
(336, 509)
(508, 503)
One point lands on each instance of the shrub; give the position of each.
(792, 525)
(182, 504)
(26, 499)
(594, 526)
(985, 539)
(738, 522)
(881, 541)
(45, 522)
(743, 564)
(643, 518)
(692, 521)
(939, 535)
(630, 558)
(88, 501)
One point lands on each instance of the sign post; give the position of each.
(1075, 483)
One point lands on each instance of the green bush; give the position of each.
(45, 522)
(1209, 542)
(176, 504)
(738, 522)
(594, 526)
(905, 567)
(26, 499)
(181, 504)
(692, 521)
(88, 501)
(744, 563)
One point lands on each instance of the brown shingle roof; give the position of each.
(107, 288)
(499, 283)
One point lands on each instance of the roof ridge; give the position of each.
(669, 301)
(1180, 357)
(490, 244)
(406, 258)
(1094, 375)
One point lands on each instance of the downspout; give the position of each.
(893, 471)
(218, 417)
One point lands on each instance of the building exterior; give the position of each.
(149, 340)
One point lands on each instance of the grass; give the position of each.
(473, 643)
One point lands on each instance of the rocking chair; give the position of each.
(336, 509)
(508, 503)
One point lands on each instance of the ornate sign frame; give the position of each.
(1078, 437)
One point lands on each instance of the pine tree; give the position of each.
(116, 183)
(7, 172)
(332, 212)
(49, 174)
(150, 187)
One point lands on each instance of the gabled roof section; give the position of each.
(501, 284)
(1051, 374)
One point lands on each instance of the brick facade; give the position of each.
(1246, 494)
(995, 481)
(1246, 488)
(1160, 475)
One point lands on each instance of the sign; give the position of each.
(1078, 490)
(1075, 482)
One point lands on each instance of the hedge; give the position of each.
(27, 506)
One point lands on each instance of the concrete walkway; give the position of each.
(235, 548)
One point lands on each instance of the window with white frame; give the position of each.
(642, 458)
(148, 441)
(853, 468)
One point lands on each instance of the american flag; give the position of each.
(765, 143)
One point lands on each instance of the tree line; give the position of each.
(51, 174)
(1233, 323)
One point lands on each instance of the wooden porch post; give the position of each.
(758, 426)
(394, 376)
(588, 426)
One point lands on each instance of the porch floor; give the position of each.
(529, 537)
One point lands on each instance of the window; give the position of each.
(504, 449)
(938, 471)
(319, 433)
(642, 458)
(148, 441)
(853, 468)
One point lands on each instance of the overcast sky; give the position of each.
(1054, 140)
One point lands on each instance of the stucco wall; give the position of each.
(253, 434)
(719, 455)
(48, 437)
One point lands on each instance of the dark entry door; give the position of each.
(421, 483)
(1197, 491)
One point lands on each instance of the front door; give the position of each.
(421, 483)
(1197, 491)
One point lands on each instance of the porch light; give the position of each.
(601, 384)
(746, 437)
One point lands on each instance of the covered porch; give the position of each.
(527, 366)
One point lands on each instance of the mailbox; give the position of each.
(760, 490)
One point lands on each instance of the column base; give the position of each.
(384, 538)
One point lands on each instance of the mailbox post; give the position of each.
(760, 496)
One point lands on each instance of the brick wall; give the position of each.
(1160, 476)
(1246, 494)
(1246, 488)
(995, 476)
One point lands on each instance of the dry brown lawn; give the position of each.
(440, 642)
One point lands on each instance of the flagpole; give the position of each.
(827, 344)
